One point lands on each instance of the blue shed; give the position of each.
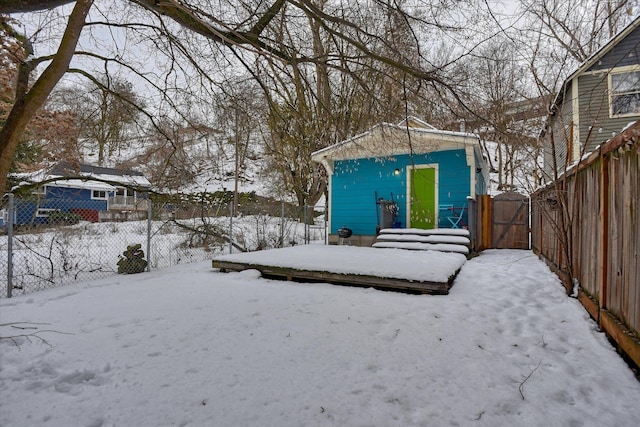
(409, 175)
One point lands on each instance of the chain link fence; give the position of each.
(49, 241)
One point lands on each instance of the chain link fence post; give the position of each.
(149, 224)
(305, 216)
(230, 228)
(10, 218)
(326, 222)
(281, 240)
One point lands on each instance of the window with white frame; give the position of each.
(44, 212)
(123, 191)
(40, 190)
(624, 93)
(99, 194)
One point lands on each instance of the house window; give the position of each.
(624, 90)
(44, 212)
(40, 190)
(121, 191)
(99, 194)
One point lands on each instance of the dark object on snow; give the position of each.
(133, 260)
(344, 232)
(344, 235)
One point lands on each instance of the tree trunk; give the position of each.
(27, 104)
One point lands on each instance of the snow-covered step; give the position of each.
(430, 232)
(440, 239)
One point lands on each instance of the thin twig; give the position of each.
(22, 323)
(14, 338)
(521, 387)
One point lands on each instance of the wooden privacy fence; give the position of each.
(586, 226)
(500, 222)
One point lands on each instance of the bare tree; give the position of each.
(188, 42)
(239, 114)
(564, 35)
(509, 114)
(30, 98)
(315, 105)
(167, 158)
(54, 128)
(105, 111)
(579, 27)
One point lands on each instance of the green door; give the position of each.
(422, 193)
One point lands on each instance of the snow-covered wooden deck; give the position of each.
(429, 272)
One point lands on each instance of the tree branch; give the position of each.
(26, 106)
(521, 386)
(188, 18)
(21, 6)
(28, 337)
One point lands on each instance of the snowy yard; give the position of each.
(188, 346)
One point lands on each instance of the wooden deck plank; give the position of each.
(395, 284)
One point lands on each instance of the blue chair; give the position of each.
(444, 212)
(455, 220)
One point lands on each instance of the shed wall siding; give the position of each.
(354, 185)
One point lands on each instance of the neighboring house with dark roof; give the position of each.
(595, 102)
(70, 193)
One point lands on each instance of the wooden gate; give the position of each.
(503, 222)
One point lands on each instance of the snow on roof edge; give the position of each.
(392, 126)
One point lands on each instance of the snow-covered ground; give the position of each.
(189, 346)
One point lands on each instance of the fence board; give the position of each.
(601, 199)
(616, 235)
(503, 221)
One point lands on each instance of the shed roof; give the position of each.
(386, 139)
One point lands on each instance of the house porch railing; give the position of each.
(130, 203)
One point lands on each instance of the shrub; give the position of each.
(63, 218)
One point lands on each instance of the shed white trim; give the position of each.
(436, 196)
(387, 140)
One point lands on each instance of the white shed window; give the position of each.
(624, 92)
